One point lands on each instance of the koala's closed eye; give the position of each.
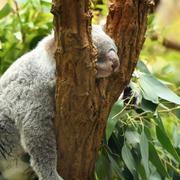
(108, 60)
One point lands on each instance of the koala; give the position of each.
(27, 104)
(107, 60)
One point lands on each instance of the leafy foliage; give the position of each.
(21, 27)
(137, 142)
(142, 140)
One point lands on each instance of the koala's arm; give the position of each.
(38, 140)
(28, 90)
(36, 129)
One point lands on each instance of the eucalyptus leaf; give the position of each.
(142, 67)
(141, 171)
(128, 159)
(154, 158)
(144, 148)
(153, 88)
(46, 3)
(148, 90)
(5, 10)
(177, 113)
(148, 106)
(113, 118)
(102, 166)
(159, 122)
(132, 137)
(176, 136)
(115, 166)
(166, 143)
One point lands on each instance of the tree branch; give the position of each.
(82, 102)
(170, 44)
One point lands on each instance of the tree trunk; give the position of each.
(82, 102)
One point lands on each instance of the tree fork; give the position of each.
(82, 103)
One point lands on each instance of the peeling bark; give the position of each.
(82, 102)
(126, 24)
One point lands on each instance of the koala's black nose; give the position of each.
(115, 65)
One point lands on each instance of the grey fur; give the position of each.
(27, 106)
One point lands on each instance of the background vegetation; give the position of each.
(142, 140)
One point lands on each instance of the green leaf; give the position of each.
(5, 11)
(154, 158)
(46, 3)
(142, 67)
(115, 166)
(177, 113)
(132, 137)
(0, 45)
(102, 166)
(148, 106)
(166, 143)
(153, 88)
(176, 136)
(128, 159)
(144, 148)
(151, 18)
(159, 122)
(147, 90)
(113, 118)
(141, 171)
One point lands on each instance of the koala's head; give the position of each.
(107, 60)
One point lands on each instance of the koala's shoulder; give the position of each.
(35, 65)
(16, 70)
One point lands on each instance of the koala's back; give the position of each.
(30, 79)
(27, 86)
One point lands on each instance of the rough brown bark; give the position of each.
(82, 102)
